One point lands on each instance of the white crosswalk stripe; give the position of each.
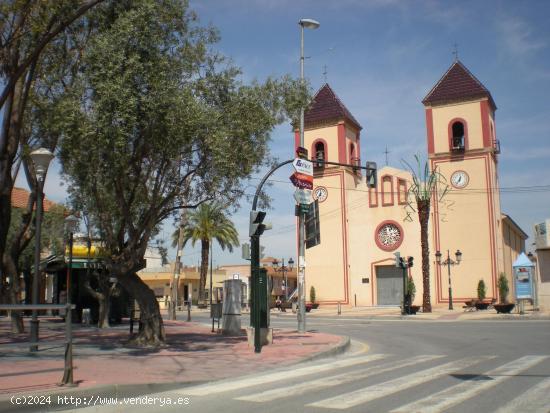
(454, 395)
(332, 381)
(534, 400)
(220, 387)
(351, 399)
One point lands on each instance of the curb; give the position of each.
(340, 348)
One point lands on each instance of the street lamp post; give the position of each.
(304, 24)
(41, 159)
(71, 223)
(284, 269)
(448, 262)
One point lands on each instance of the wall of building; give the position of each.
(543, 284)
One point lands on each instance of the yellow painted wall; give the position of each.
(442, 115)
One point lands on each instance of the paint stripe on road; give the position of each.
(459, 393)
(534, 400)
(376, 391)
(221, 387)
(331, 381)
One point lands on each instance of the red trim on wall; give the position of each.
(485, 129)
(401, 191)
(394, 246)
(296, 141)
(358, 141)
(430, 130)
(373, 194)
(383, 190)
(450, 133)
(342, 152)
(312, 154)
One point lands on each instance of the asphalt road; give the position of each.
(410, 366)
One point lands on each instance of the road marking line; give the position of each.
(376, 391)
(535, 400)
(470, 388)
(331, 381)
(220, 387)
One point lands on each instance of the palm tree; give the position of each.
(425, 186)
(206, 223)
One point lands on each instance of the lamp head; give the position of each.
(458, 256)
(438, 257)
(309, 23)
(290, 263)
(275, 263)
(41, 159)
(71, 223)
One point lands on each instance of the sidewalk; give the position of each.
(438, 313)
(192, 354)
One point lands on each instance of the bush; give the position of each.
(411, 288)
(312, 295)
(481, 290)
(503, 288)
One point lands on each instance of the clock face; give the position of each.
(389, 236)
(459, 179)
(320, 193)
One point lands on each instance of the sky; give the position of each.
(381, 57)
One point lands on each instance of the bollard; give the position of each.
(339, 308)
(189, 310)
(86, 316)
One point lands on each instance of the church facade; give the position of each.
(362, 228)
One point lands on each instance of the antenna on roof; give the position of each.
(455, 51)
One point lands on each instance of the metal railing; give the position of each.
(68, 370)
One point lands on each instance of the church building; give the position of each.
(362, 228)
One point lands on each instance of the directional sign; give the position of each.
(302, 196)
(303, 166)
(302, 181)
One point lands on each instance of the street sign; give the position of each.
(302, 181)
(302, 196)
(303, 166)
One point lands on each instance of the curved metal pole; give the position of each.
(264, 179)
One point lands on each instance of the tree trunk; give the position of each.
(13, 293)
(104, 307)
(152, 331)
(424, 216)
(205, 249)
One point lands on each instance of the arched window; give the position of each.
(320, 154)
(458, 136)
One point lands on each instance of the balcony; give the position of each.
(496, 146)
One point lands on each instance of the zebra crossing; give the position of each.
(301, 385)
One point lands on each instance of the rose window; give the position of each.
(389, 236)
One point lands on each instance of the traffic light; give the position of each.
(257, 227)
(371, 174)
(410, 262)
(397, 259)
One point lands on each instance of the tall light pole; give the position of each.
(448, 262)
(41, 159)
(71, 224)
(304, 24)
(284, 269)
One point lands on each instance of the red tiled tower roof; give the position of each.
(326, 106)
(457, 84)
(20, 197)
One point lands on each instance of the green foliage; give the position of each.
(503, 288)
(208, 222)
(425, 183)
(411, 288)
(481, 290)
(312, 295)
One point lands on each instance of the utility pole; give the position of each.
(174, 282)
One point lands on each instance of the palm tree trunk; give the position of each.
(423, 206)
(205, 249)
